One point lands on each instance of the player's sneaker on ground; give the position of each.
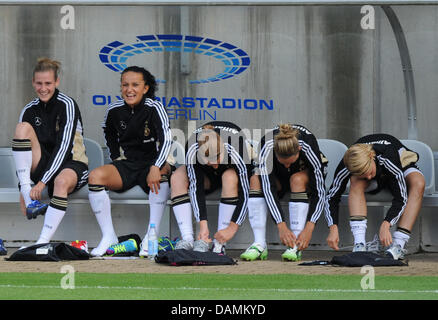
(200, 246)
(396, 252)
(374, 245)
(126, 246)
(291, 254)
(184, 244)
(143, 253)
(36, 208)
(254, 252)
(3, 250)
(359, 247)
(218, 247)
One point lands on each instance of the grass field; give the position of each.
(92, 286)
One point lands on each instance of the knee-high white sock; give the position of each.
(53, 217)
(182, 209)
(157, 205)
(258, 213)
(226, 210)
(401, 236)
(358, 225)
(298, 210)
(22, 154)
(101, 206)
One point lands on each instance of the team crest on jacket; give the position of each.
(122, 125)
(38, 121)
(147, 131)
(57, 124)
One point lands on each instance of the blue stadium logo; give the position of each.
(116, 54)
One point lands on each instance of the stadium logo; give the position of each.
(116, 54)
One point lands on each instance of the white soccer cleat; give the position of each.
(359, 247)
(396, 252)
(143, 253)
(218, 247)
(184, 244)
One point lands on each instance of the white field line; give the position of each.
(11, 286)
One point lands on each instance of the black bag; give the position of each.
(359, 259)
(56, 251)
(183, 257)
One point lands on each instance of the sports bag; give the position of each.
(359, 259)
(55, 251)
(183, 257)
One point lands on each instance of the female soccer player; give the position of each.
(48, 149)
(375, 162)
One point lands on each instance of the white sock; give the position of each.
(157, 205)
(183, 216)
(258, 213)
(101, 206)
(224, 217)
(298, 216)
(52, 219)
(359, 228)
(400, 238)
(225, 214)
(23, 165)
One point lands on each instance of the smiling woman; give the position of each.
(45, 78)
(48, 149)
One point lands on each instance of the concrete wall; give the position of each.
(314, 65)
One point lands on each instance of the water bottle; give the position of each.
(152, 242)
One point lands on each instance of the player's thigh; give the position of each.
(107, 175)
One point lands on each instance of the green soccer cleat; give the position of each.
(291, 254)
(123, 247)
(254, 252)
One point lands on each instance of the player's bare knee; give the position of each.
(417, 186)
(23, 130)
(357, 184)
(255, 183)
(230, 177)
(179, 180)
(96, 176)
(63, 183)
(298, 182)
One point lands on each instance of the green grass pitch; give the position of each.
(92, 286)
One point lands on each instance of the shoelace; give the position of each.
(119, 248)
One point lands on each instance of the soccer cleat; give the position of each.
(396, 252)
(254, 252)
(218, 247)
(36, 208)
(291, 254)
(184, 244)
(80, 244)
(125, 246)
(166, 244)
(374, 245)
(200, 246)
(359, 247)
(3, 250)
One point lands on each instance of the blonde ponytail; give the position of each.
(46, 64)
(358, 158)
(286, 141)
